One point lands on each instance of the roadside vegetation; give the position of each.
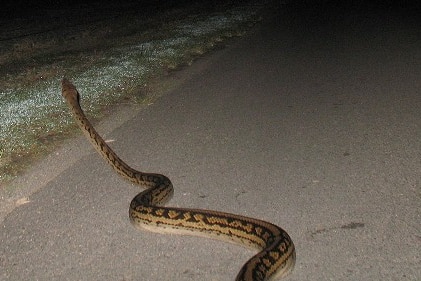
(110, 58)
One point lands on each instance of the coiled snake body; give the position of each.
(277, 252)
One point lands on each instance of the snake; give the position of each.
(276, 252)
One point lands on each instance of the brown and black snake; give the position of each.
(276, 256)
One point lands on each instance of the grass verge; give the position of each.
(108, 60)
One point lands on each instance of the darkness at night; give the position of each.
(32, 8)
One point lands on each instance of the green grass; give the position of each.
(33, 115)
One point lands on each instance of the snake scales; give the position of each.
(277, 252)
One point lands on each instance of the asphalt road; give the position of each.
(311, 122)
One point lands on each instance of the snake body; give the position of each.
(276, 256)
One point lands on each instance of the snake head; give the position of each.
(68, 90)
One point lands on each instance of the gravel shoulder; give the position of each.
(112, 51)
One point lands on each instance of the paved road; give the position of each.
(311, 122)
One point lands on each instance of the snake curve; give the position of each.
(276, 256)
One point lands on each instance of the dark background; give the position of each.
(30, 8)
(26, 7)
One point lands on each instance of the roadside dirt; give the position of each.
(44, 35)
(41, 42)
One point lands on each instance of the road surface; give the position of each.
(311, 122)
